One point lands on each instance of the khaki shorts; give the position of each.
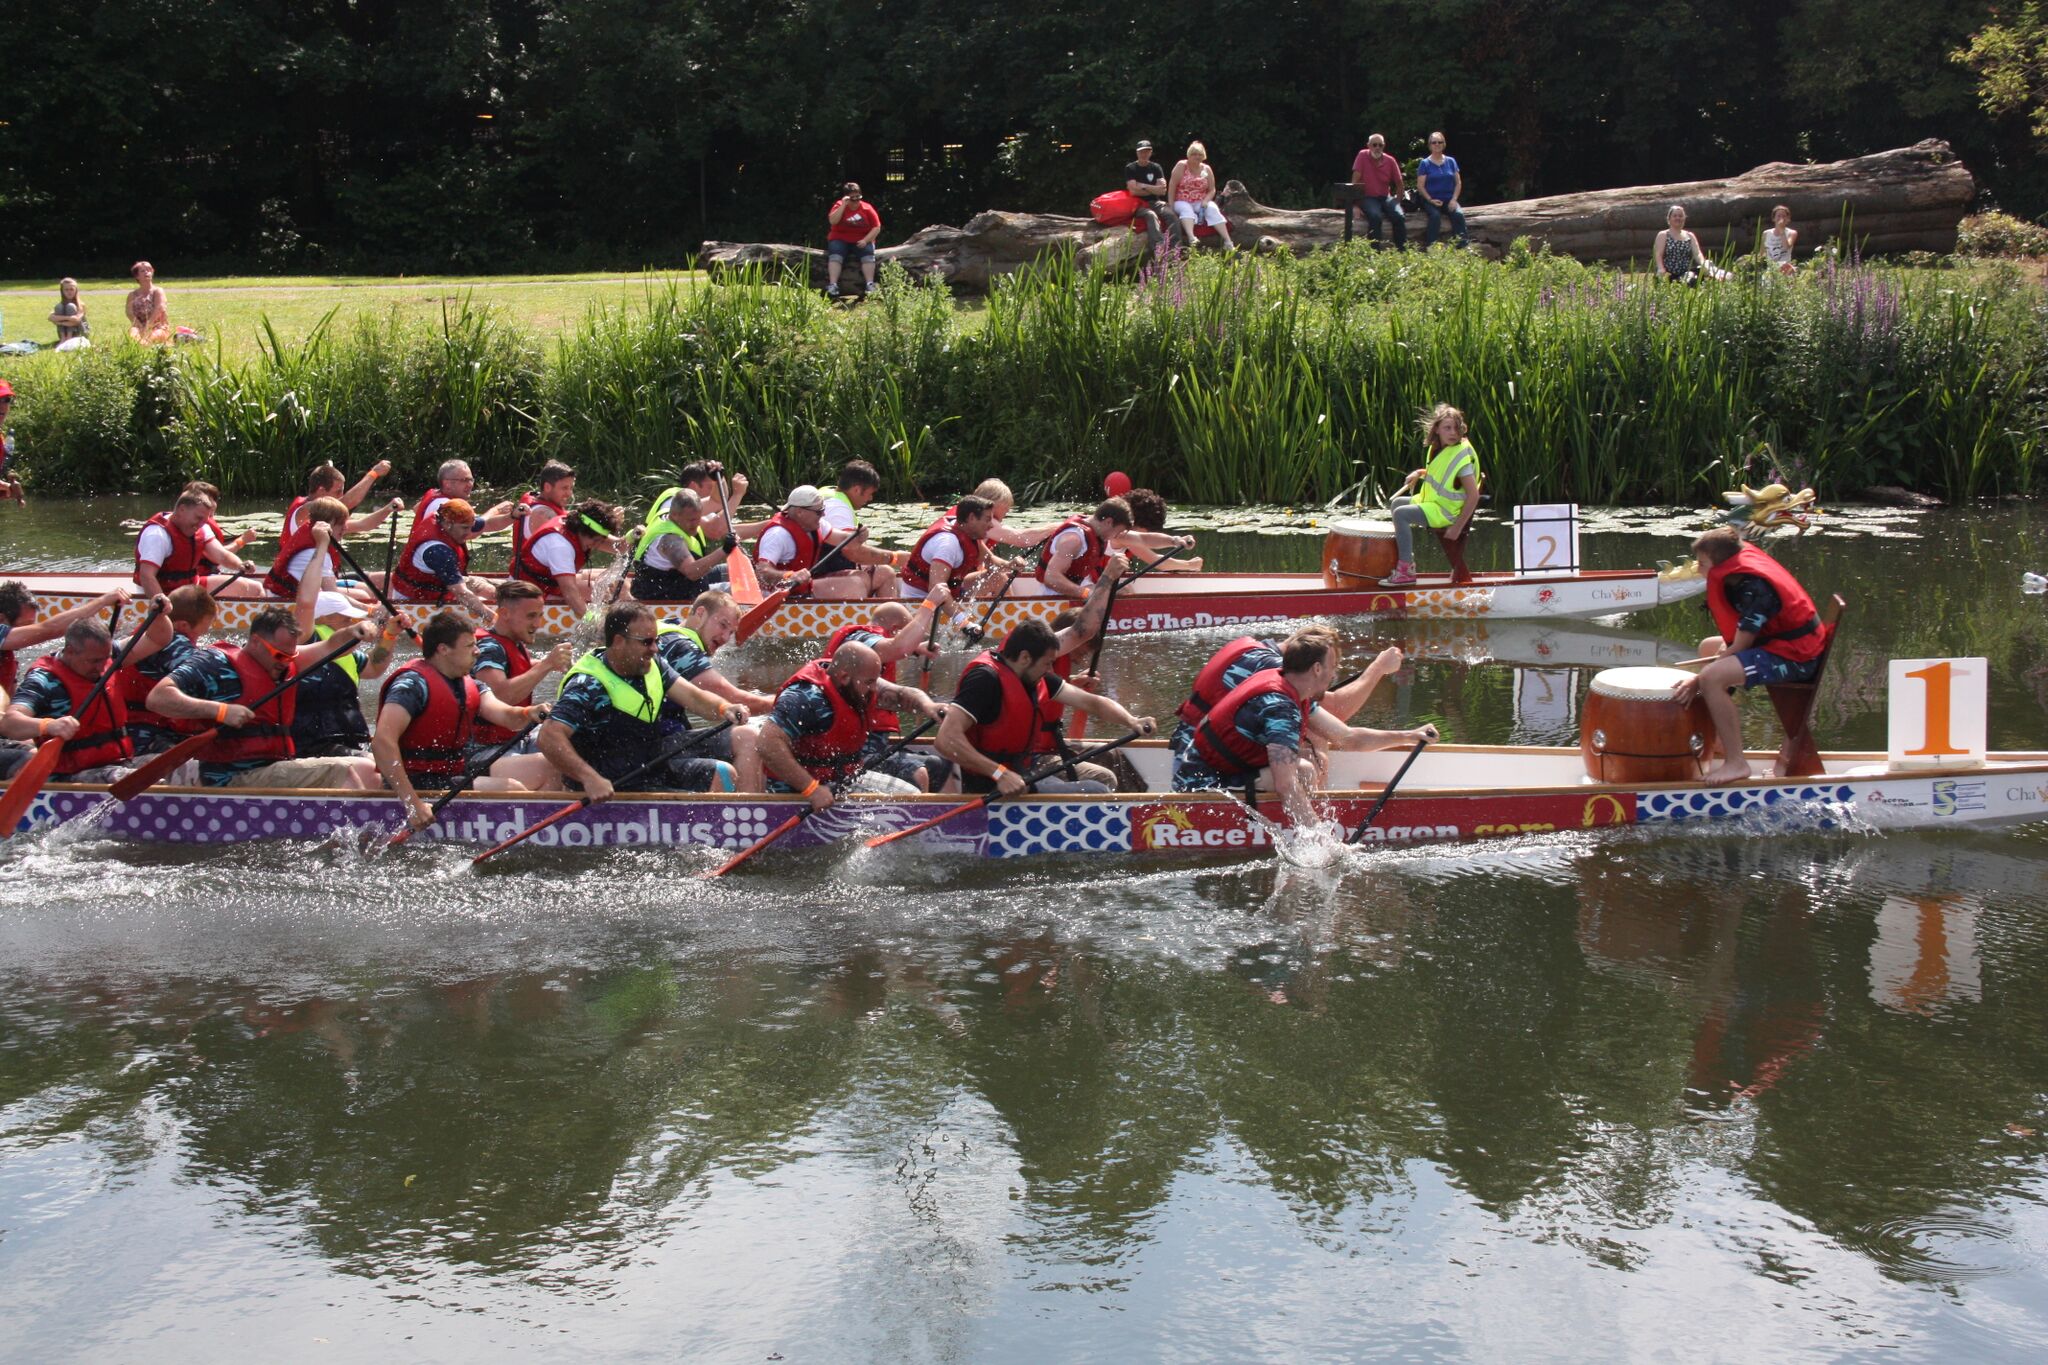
(300, 772)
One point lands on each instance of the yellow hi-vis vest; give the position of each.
(637, 698)
(1440, 497)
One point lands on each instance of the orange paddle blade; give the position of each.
(785, 827)
(923, 825)
(22, 790)
(751, 621)
(741, 578)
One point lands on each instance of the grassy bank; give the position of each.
(1275, 380)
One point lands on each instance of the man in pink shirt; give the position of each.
(855, 225)
(1379, 177)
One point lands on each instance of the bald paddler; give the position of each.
(427, 714)
(555, 556)
(687, 647)
(817, 732)
(1071, 559)
(255, 748)
(1770, 633)
(895, 632)
(992, 725)
(433, 569)
(52, 701)
(607, 721)
(1258, 733)
(676, 559)
(180, 546)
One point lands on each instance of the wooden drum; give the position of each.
(1357, 553)
(1634, 730)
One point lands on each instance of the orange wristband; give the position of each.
(997, 775)
(808, 790)
(220, 713)
(43, 728)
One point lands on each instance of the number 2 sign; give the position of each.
(1937, 709)
(1547, 540)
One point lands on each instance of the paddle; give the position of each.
(232, 579)
(756, 616)
(383, 598)
(739, 570)
(37, 770)
(1030, 784)
(689, 739)
(1102, 633)
(807, 812)
(153, 772)
(391, 549)
(1387, 791)
(931, 641)
(461, 785)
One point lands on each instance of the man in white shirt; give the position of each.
(798, 551)
(858, 485)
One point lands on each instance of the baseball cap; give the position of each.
(805, 495)
(6, 389)
(1144, 144)
(334, 604)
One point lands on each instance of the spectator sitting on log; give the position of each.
(1442, 185)
(1378, 177)
(1146, 181)
(1676, 252)
(855, 225)
(1779, 240)
(1192, 188)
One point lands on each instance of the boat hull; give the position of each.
(1154, 604)
(1856, 794)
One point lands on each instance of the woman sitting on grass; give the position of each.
(1676, 253)
(69, 315)
(149, 314)
(1779, 240)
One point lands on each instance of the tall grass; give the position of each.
(1275, 380)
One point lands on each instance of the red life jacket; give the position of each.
(526, 566)
(1052, 713)
(806, 543)
(517, 660)
(437, 741)
(918, 572)
(10, 669)
(527, 502)
(422, 524)
(102, 736)
(411, 583)
(1221, 744)
(879, 721)
(181, 566)
(1013, 735)
(1209, 688)
(269, 736)
(290, 544)
(133, 688)
(1795, 633)
(832, 755)
(1085, 567)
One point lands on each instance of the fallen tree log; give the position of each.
(1907, 199)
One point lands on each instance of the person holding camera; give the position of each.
(855, 225)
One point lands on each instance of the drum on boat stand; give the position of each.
(1357, 553)
(1634, 730)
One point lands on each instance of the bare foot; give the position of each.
(1727, 773)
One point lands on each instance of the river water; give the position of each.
(1707, 1095)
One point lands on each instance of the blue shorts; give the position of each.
(839, 251)
(1761, 668)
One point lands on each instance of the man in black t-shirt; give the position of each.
(1146, 180)
(989, 728)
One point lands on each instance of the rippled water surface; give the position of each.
(1714, 1095)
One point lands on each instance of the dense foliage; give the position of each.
(435, 134)
(1270, 380)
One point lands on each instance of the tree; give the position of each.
(2011, 62)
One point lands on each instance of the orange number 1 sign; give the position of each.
(1938, 713)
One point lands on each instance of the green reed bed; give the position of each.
(1272, 380)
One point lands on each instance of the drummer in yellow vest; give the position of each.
(1448, 492)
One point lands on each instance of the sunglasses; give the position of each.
(645, 641)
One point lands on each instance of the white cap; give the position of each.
(805, 495)
(334, 604)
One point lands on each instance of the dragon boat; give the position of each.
(1153, 604)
